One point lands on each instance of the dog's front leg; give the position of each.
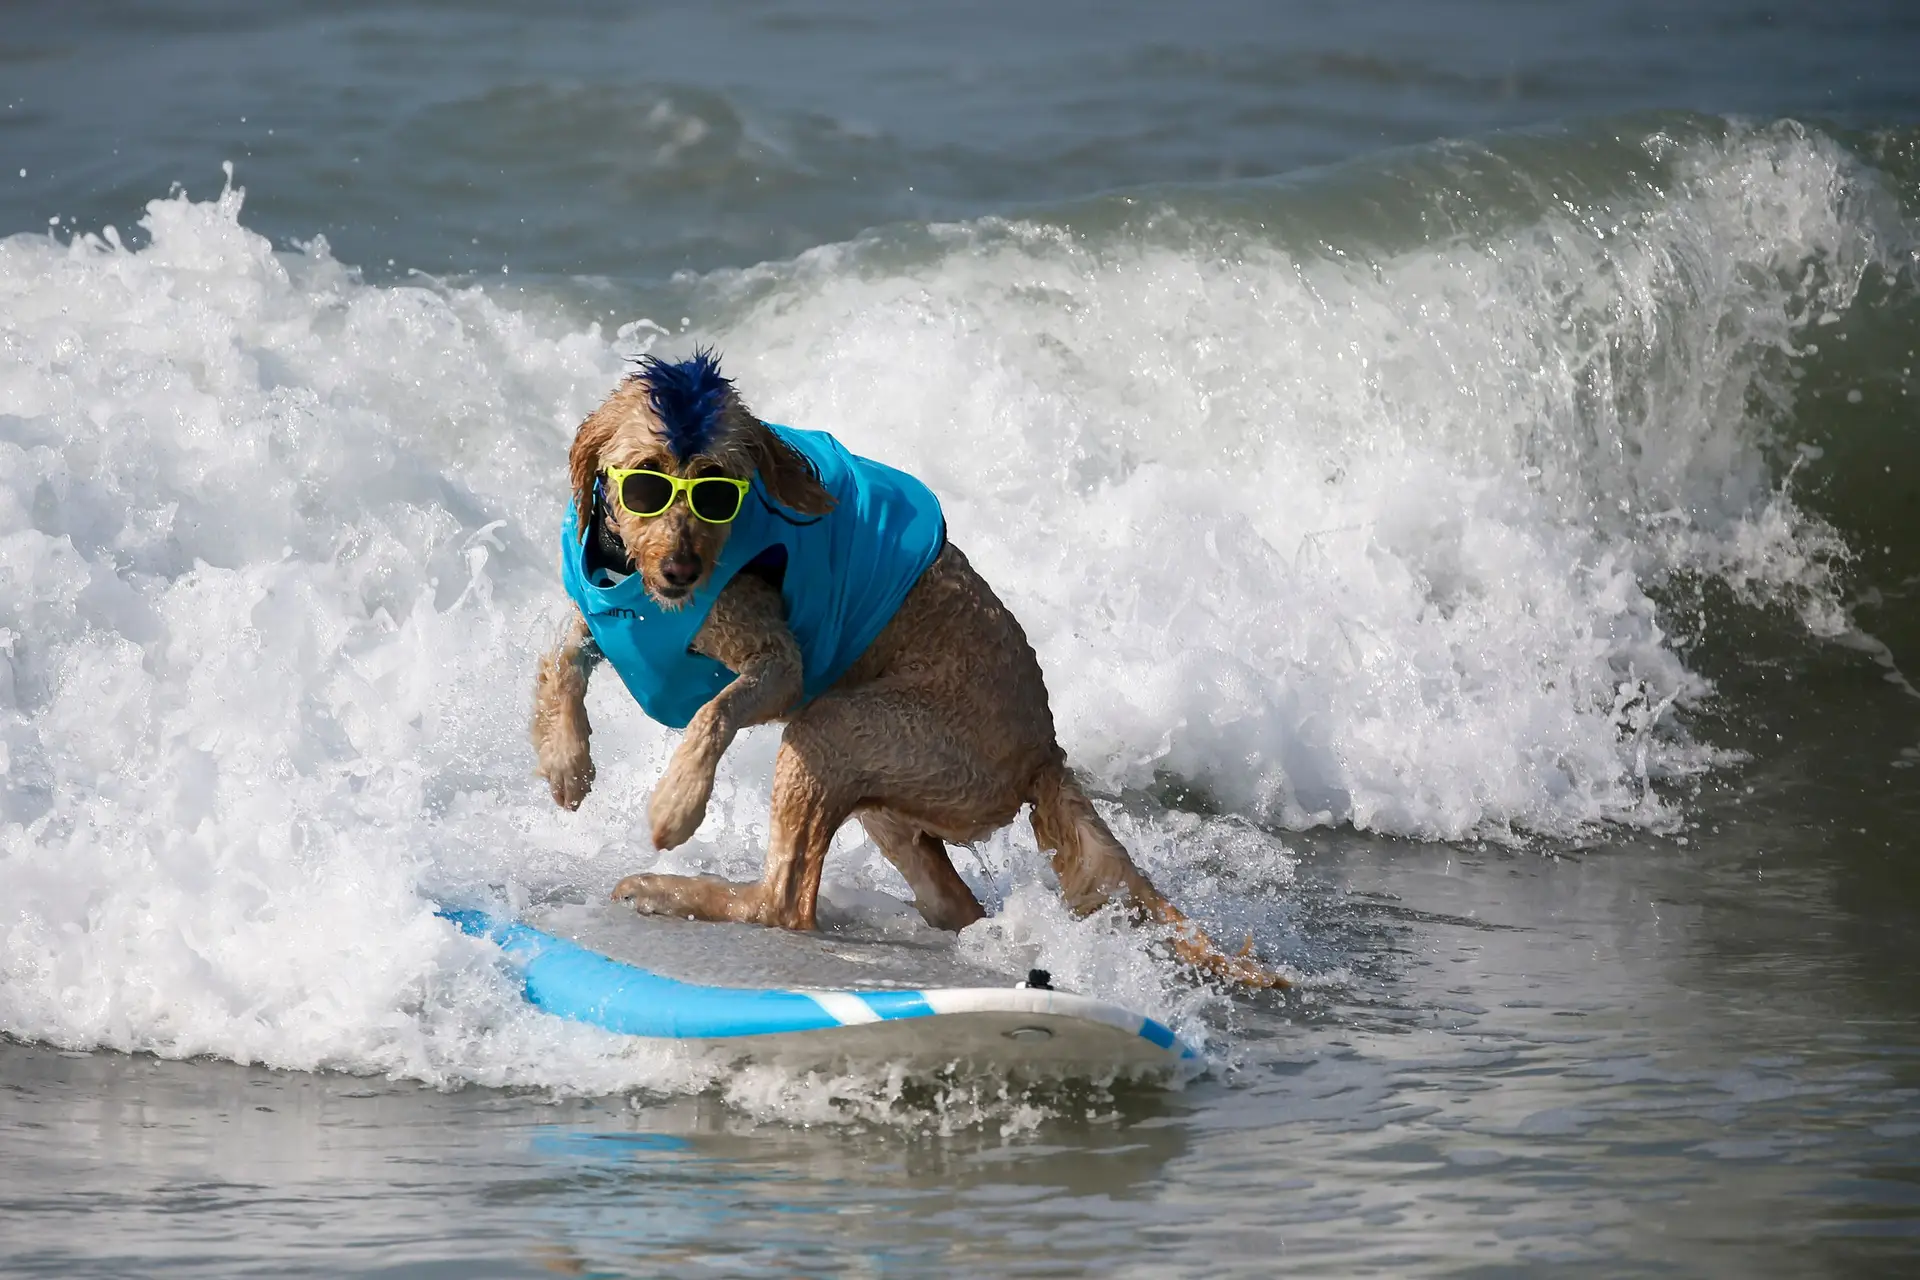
(747, 631)
(560, 727)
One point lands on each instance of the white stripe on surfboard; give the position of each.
(843, 1007)
(849, 1009)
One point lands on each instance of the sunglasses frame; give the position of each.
(618, 477)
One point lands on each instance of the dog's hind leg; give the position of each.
(1088, 859)
(1093, 869)
(939, 893)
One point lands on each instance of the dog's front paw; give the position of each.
(692, 897)
(650, 895)
(679, 803)
(561, 730)
(569, 778)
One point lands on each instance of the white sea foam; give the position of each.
(1331, 541)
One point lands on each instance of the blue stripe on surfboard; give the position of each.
(566, 979)
(1162, 1036)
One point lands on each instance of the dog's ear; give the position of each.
(583, 461)
(785, 473)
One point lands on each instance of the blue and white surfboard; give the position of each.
(1015, 1027)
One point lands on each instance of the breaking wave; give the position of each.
(1308, 525)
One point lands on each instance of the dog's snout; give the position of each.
(681, 569)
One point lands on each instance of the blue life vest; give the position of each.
(847, 573)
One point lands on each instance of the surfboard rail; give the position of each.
(571, 981)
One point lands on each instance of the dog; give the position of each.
(737, 573)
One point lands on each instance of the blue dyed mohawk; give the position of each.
(687, 397)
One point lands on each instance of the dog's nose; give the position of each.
(680, 570)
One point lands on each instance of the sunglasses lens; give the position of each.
(645, 494)
(717, 501)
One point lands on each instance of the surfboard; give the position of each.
(839, 998)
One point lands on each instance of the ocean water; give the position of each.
(1455, 463)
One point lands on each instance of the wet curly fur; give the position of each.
(939, 733)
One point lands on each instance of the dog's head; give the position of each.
(685, 420)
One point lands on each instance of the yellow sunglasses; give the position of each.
(642, 491)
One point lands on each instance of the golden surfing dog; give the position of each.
(937, 732)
